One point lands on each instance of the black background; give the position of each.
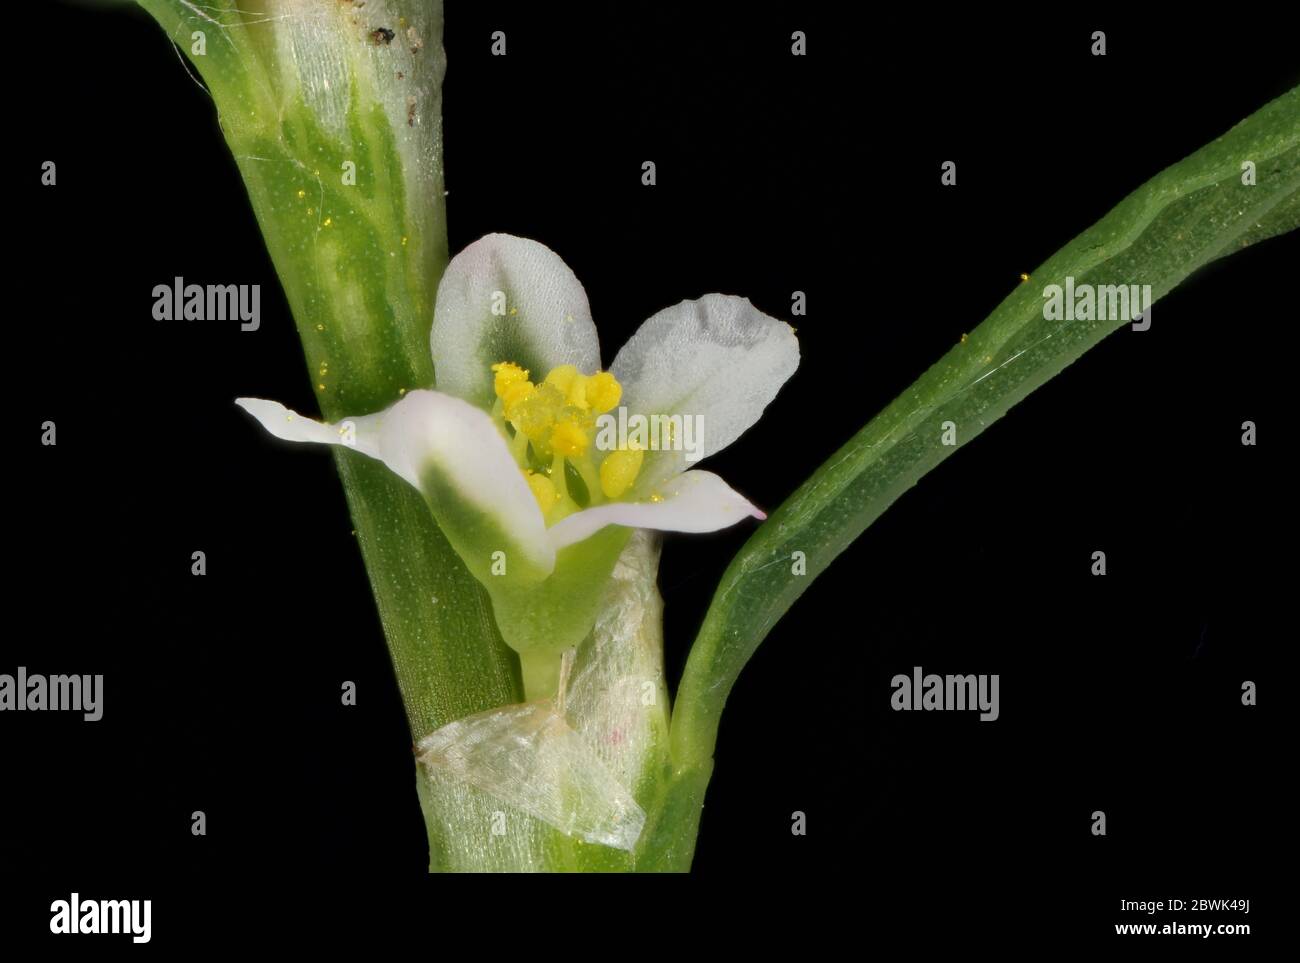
(775, 174)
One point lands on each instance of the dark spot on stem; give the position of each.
(381, 36)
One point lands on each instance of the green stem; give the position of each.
(541, 673)
(338, 138)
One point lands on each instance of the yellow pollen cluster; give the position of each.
(551, 424)
(568, 438)
(543, 490)
(619, 470)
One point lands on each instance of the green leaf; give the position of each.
(336, 129)
(1182, 219)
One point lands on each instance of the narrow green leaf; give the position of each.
(1185, 217)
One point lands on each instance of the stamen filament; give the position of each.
(554, 420)
(557, 477)
(519, 448)
(587, 472)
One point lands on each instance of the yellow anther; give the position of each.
(556, 418)
(571, 382)
(577, 393)
(535, 413)
(507, 373)
(619, 470)
(600, 392)
(577, 415)
(513, 395)
(563, 376)
(603, 392)
(568, 439)
(543, 490)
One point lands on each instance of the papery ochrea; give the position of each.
(505, 451)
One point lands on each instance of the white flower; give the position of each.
(529, 479)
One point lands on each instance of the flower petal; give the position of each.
(719, 360)
(696, 501)
(359, 433)
(507, 298)
(453, 453)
